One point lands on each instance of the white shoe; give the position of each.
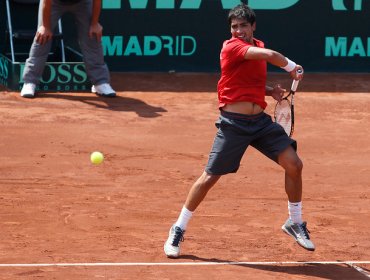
(103, 90)
(172, 245)
(28, 90)
(300, 233)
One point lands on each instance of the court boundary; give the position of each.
(352, 264)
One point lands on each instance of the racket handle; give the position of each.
(294, 85)
(296, 82)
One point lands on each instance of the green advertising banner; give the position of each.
(57, 76)
(187, 35)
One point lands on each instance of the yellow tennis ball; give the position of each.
(97, 157)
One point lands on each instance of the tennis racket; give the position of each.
(284, 110)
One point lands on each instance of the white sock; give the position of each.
(184, 218)
(295, 212)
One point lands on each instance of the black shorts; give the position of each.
(236, 132)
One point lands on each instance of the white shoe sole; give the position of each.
(27, 95)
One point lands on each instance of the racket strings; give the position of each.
(283, 115)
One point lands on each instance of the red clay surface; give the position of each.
(56, 207)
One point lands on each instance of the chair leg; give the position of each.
(10, 29)
(61, 41)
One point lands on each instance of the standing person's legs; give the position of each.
(35, 63)
(92, 50)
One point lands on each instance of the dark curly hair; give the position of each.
(242, 11)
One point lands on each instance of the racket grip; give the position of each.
(296, 82)
(294, 85)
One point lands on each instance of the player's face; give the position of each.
(242, 29)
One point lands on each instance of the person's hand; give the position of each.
(96, 30)
(43, 35)
(277, 92)
(297, 73)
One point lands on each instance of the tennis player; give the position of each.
(243, 122)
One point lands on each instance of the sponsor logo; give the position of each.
(46, 87)
(4, 70)
(196, 4)
(347, 47)
(338, 5)
(284, 117)
(61, 74)
(149, 45)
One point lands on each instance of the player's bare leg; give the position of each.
(293, 166)
(200, 189)
(294, 226)
(196, 195)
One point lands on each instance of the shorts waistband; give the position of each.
(239, 116)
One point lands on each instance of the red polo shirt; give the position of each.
(241, 79)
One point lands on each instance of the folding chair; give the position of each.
(15, 34)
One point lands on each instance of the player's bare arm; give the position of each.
(276, 92)
(271, 56)
(277, 59)
(96, 30)
(44, 32)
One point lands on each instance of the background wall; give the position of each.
(186, 35)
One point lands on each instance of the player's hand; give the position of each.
(297, 73)
(43, 35)
(278, 92)
(96, 30)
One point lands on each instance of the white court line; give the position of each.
(359, 269)
(350, 263)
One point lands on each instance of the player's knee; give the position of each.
(295, 167)
(299, 165)
(207, 181)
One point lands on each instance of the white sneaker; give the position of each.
(103, 90)
(28, 90)
(300, 233)
(172, 245)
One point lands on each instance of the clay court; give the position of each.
(64, 218)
